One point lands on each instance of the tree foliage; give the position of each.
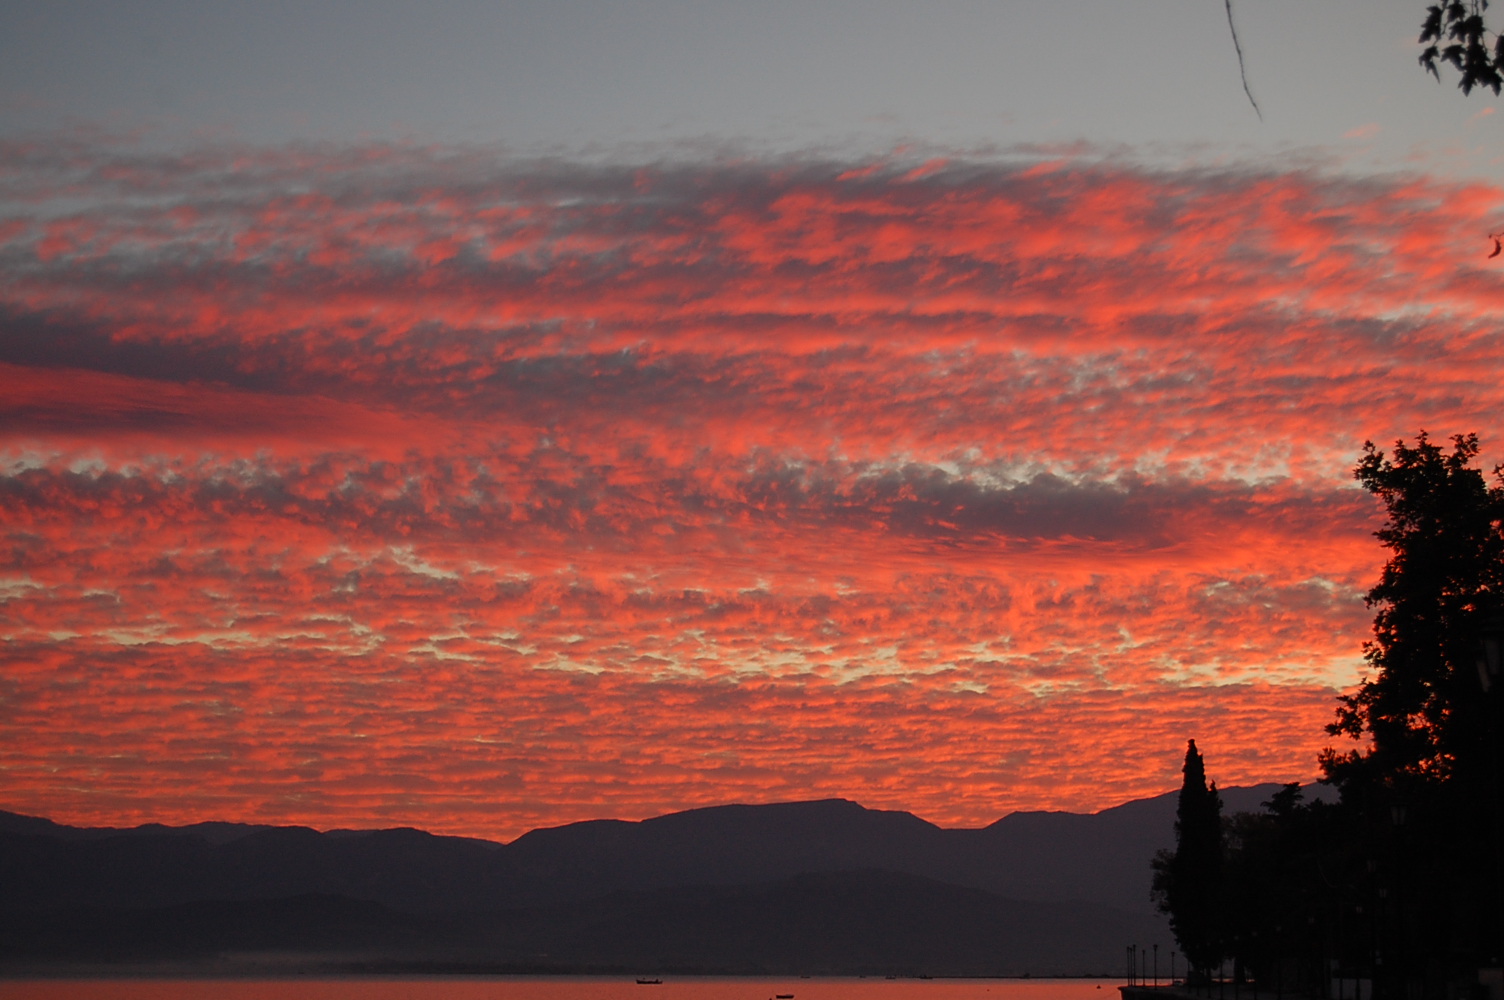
(1454, 32)
(1400, 880)
(1445, 573)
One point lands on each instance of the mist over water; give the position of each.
(559, 989)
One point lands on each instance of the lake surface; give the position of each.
(520, 988)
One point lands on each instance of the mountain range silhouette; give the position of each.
(822, 887)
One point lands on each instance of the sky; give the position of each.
(485, 417)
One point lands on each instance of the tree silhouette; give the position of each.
(1188, 881)
(1401, 881)
(1444, 577)
(1432, 722)
(1408, 864)
(1457, 34)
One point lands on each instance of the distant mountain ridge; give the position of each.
(1101, 857)
(1065, 887)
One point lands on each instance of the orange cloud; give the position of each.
(402, 486)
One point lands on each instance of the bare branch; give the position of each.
(1241, 71)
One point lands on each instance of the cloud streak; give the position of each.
(360, 485)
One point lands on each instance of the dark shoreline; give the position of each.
(315, 966)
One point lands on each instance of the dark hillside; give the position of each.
(763, 871)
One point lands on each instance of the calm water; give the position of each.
(513, 988)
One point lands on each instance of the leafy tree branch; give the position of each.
(1454, 32)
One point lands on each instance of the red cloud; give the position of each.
(388, 486)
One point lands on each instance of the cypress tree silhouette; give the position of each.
(1188, 880)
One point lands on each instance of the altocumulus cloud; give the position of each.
(379, 484)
